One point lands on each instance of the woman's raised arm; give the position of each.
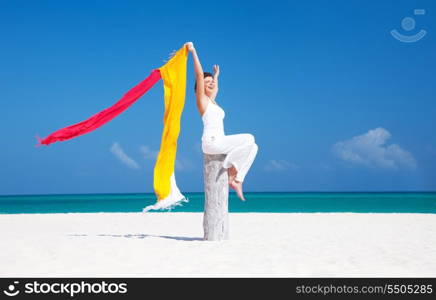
(216, 73)
(199, 76)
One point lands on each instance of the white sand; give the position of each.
(260, 245)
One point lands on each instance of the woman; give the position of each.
(241, 149)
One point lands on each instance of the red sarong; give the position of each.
(105, 115)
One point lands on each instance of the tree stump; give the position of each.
(216, 209)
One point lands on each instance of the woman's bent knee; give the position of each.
(250, 138)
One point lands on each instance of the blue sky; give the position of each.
(335, 102)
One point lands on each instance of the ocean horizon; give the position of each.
(267, 202)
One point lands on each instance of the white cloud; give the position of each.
(280, 165)
(148, 153)
(369, 149)
(181, 164)
(123, 157)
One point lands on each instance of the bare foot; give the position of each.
(237, 186)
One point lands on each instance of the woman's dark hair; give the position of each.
(205, 74)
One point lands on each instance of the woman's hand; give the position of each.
(216, 71)
(190, 46)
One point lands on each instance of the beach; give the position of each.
(260, 245)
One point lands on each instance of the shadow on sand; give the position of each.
(143, 236)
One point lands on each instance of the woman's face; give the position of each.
(209, 85)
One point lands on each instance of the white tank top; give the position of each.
(213, 125)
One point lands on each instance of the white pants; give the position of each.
(241, 150)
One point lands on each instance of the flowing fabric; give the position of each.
(173, 74)
(104, 116)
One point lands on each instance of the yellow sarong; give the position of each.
(173, 74)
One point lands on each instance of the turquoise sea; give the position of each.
(277, 202)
